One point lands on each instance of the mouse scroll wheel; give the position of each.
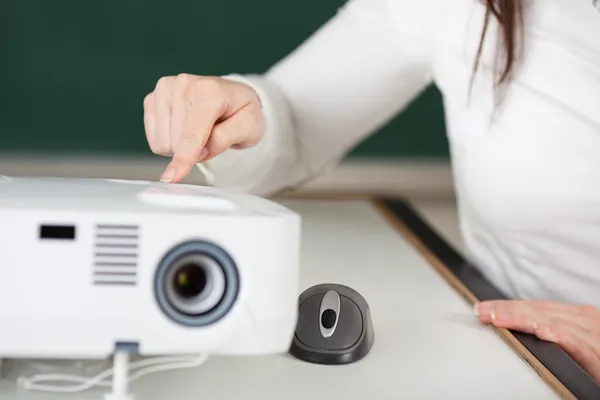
(328, 318)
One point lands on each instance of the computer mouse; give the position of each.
(334, 326)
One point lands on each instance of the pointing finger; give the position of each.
(204, 107)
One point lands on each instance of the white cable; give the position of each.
(152, 364)
(208, 173)
(119, 371)
(120, 389)
(99, 380)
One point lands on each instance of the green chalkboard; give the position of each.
(74, 73)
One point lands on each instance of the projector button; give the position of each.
(204, 202)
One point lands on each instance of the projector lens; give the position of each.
(189, 281)
(196, 283)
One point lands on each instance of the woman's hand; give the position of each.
(575, 328)
(196, 118)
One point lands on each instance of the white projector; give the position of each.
(90, 266)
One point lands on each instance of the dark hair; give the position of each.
(509, 15)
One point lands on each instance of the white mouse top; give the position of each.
(131, 196)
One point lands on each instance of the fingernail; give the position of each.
(167, 176)
(486, 312)
(501, 317)
(203, 154)
(486, 308)
(476, 309)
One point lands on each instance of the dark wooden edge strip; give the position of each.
(551, 363)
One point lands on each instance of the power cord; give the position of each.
(208, 173)
(120, 375)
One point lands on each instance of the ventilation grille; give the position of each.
(116, 255)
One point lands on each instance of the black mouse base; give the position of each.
(347, 356)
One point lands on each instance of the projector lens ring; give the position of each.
(196, 283)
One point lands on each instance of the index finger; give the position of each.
(203, 110)
(511, 314)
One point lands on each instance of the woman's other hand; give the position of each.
(575, 328)
(195, 118)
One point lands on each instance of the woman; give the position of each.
(521, 87)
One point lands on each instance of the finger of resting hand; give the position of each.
(586, 317)
(579, 316)
(240, 131)
(574, 309)
(582, 346)
(510, 314)
(519, 315)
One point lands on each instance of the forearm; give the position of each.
(339, 86)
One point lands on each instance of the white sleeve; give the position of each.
(343, 83)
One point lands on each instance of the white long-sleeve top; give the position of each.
(527, 177)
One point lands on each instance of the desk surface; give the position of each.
(428, 343)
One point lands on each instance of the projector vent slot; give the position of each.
(116, 255)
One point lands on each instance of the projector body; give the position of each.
(88, 266)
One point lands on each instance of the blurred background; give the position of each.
(75, 74)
